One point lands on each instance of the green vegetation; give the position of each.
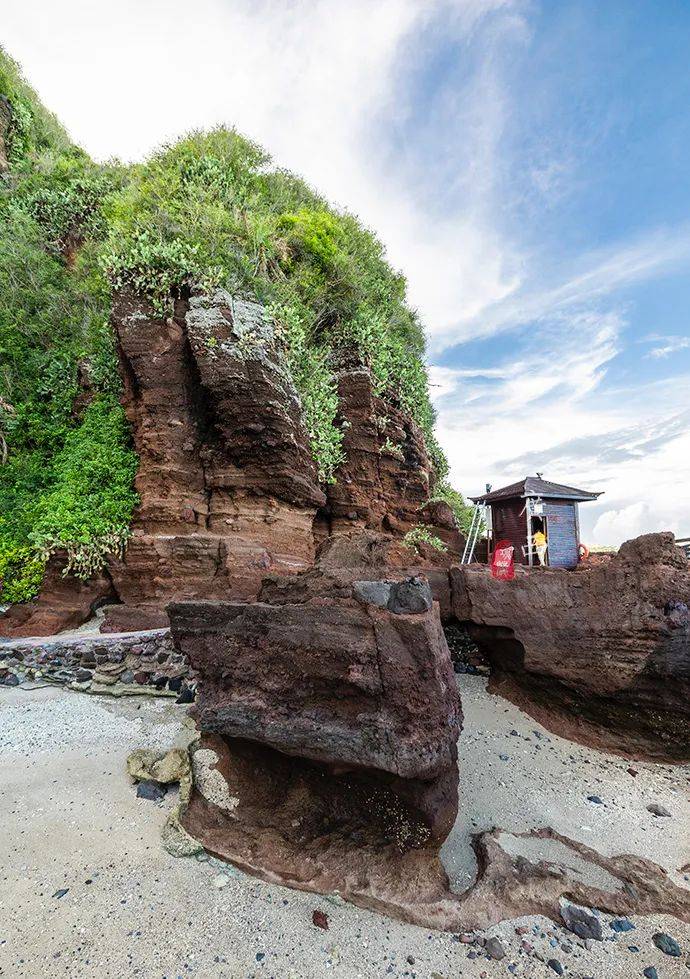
(423, 535)
(67, 464)
(209, 211)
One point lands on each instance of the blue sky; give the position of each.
(525, 164)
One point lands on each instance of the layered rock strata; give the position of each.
(227, 484)
(602, 654)
(356, 678)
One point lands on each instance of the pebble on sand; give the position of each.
(668, 945)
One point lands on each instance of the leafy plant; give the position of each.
(21, 573)
(422, 535)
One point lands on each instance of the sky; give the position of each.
(524, 162)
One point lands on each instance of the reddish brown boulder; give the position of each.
(65, 602)
(602, 654)
(359, 679)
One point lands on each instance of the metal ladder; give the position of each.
(473, 535)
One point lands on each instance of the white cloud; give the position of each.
(616, 526)
(668, 345)
(320, 83)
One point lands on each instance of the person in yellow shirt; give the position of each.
(540, 545)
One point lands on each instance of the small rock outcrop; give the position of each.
(63, 603)
(601, 654)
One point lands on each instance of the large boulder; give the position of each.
(602, 653)
(341, 680)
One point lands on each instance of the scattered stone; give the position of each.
(495, 949)
(668, 945)
(61, 892)
(556, 966)
(372, 592)
(82, 675)
(596, 799)
(504, 757)
(581, 921)
(410, 597)
(10, 680)
(221, 880)
(621, 924)
(657, 810)
(151, 790)
(650, 973)
(320, 919)
(172, 767)
(186, 695)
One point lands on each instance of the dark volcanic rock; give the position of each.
(582, 921)
(602, 653)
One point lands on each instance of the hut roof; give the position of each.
(535, 486)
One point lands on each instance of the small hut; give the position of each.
(520, 510)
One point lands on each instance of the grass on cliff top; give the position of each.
(210, 210)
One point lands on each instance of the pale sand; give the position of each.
(70, 815)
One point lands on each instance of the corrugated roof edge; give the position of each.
(534, 486)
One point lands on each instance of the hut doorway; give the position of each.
(539, 524)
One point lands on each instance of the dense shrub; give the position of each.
(65, 476)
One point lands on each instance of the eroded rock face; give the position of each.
(601, 654)
(228, 487)
(227, 484)
(385, 482)
(336, 678)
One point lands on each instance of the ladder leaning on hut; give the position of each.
(474, 532)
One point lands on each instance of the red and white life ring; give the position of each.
(583, 551)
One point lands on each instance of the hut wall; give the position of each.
(510, 524)
(562, 533)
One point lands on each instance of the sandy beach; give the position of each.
(72, 823)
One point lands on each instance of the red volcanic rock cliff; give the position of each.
(228, 486)
(602, 654)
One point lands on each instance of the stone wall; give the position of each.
(121, 664)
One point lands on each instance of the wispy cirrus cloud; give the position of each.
(665, 345)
